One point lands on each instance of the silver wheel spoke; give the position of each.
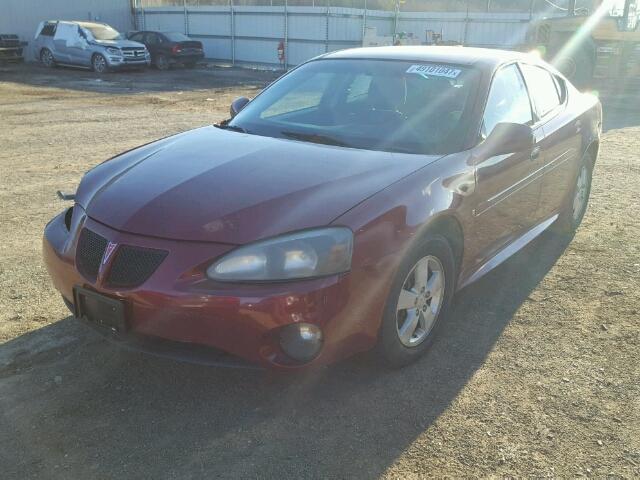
(408, 299)
(434, 284)
(421, 275)
(427, 319)
(420, 301)
(409, 326)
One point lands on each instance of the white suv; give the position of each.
(87, 44)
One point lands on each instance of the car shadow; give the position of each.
(85, 408)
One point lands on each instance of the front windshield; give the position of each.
(103, 32)
(388, 105)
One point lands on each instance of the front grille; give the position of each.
(132, 266)
(89, 253)
(129, 52)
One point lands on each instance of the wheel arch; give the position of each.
(592, 150)
(447, 225)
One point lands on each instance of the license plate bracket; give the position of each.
(99, 309)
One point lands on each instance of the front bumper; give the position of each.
(125, 62)
(179, 303)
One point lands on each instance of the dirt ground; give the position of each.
(536, 375)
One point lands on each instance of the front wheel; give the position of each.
(99, 63)
(419, 299)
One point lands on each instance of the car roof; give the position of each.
(481, 57)
(79, 22)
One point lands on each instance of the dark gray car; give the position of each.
(87, 44)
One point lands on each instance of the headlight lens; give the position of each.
(114, 51)
(312, 253)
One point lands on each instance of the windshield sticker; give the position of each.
(434, 71)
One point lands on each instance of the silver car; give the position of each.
(87, 44)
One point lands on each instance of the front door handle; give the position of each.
(535, 153)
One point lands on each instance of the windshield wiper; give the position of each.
(315, 138)
(234, 128)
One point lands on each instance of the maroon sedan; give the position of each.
(339, 210)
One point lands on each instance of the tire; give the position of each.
(577, 66)
(399, 342)
(577, 202)
(99, 64)
(161, 62)
(46, 57)
(190, 65)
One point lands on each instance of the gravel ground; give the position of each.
(537, 374)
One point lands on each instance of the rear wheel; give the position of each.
(99, 63)
(46, 57)
(162, 62)
(576, 205)
(419, 299)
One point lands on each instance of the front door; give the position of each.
(508, 186)
(79, 52)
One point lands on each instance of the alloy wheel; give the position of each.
(99, 64)
(162, 63)
(581, 194)
(420, 301)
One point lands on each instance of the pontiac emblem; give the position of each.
(111, 246)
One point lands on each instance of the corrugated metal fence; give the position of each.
(250, 34)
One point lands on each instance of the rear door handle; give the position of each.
(535, 153)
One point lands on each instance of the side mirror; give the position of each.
(507, 138)
(237, 105)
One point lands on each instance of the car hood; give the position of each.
(223, 186)
(119, 43)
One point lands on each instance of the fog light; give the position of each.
(301, 341)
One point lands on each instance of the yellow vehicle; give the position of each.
(594, 46)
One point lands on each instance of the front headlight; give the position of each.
(114, 51)
(311, 253)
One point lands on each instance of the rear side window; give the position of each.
(48, 30)
(508, 100)
(544, 89)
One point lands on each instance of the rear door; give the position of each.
(560, 149)
(508, 187)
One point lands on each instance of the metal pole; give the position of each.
(466, 26)
(395, 20)
(286, 36)
(233, 33)
(186, 17)
(144, 22)
(326, 31)
(364, 21)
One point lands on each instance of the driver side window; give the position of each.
(508, 100)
